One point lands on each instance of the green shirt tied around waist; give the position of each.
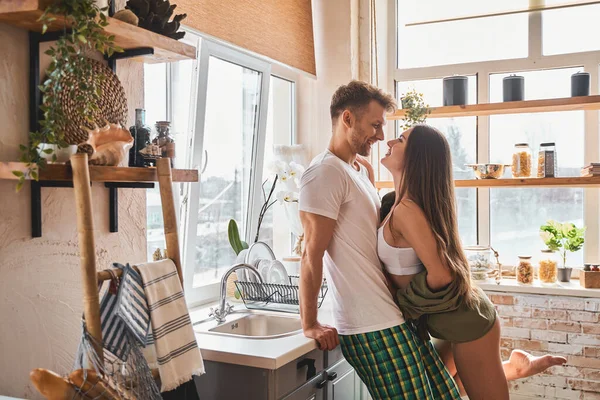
(443, 313)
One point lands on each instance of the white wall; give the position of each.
(40, 281)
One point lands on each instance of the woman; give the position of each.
(419, 246)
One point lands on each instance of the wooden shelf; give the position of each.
(593, 181)
(99, 174)
(25, 14)
(511, 107)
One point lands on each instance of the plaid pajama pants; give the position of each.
(395, 364)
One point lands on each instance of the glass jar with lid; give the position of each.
(524, 271)
(522, 161)
(548, 267)
(547, 160)
(479, 261)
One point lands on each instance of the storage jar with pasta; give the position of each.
(548, 268)
(525, 271)
(522, 161)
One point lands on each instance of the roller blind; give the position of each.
(279, 29)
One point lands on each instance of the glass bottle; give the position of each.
(524, 271)
(547, 160)
(548, 267)
(141, 138)
(521, 161)
(165, 140)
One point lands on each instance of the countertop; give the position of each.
(572, 288)
(260, 353)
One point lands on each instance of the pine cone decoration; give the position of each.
(154, 15)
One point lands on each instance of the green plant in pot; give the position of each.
(86, 35)
(416, 110)
(563, 238)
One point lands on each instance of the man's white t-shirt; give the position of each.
(361, 300)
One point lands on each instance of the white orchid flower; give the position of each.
(296, 170)
(286, 197)
(284, 176)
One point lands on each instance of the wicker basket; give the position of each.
(112, 107)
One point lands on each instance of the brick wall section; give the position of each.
(542, 324)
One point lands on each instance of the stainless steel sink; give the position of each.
(258, 326)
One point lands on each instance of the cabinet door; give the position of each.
(311, 390)
(343, 383)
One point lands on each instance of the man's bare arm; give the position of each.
(318, 231)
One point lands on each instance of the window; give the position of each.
(275, 229)
(570, 30)
(218, 108)
(546, 48)
(229, 138)
(168, 89)
(461, 134)
(517, 214)
(458, 41)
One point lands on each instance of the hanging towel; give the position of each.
(177, 352)
(132, 307)
(114, 331)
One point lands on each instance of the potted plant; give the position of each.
(563, 237)
(86, 22)
(416, 109)
(290, 174)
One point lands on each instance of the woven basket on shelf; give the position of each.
(112, 107)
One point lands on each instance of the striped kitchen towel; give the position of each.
(131, 304)
(177, 352)
(114, 332)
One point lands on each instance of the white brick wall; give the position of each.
(543, 324)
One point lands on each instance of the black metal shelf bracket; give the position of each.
(113, 199)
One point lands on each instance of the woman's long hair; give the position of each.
(428, 181)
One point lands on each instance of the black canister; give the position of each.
(513, 88)
(580, 84)
(455, 90)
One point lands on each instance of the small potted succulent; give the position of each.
(416, 110)
(563, 237)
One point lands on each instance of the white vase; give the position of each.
(293, 217)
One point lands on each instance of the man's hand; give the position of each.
(325, 335)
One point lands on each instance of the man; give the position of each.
(339, 209)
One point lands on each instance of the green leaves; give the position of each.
(86, 22)
(416, 110)
(234, 237)
(562, 237)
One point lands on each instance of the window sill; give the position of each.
(572, 288)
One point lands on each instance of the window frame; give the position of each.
(534, 61)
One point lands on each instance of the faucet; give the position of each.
(225, 308)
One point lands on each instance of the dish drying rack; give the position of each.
(275, 297)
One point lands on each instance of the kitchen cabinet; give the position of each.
(315, 376)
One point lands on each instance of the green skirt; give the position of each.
(443, 314)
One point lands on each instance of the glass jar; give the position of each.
(524, 271)
(547, 160)
(165, 141)
(479, 261)
(548, 267)
(521, 161)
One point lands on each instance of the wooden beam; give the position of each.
(511, 107)
(61, 172)
(26, 13)
(593, 181)
(505, 12)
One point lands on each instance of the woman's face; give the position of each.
(394, 158)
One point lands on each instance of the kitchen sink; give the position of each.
(258, 326)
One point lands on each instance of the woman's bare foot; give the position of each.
(521, 364)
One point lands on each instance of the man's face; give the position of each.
(367, 128)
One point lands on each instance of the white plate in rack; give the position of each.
(256, 252)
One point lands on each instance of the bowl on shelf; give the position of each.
(488, 171)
